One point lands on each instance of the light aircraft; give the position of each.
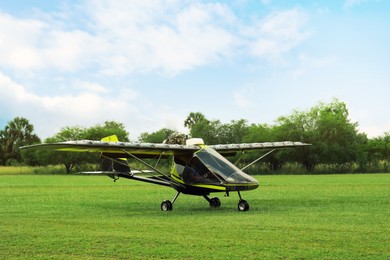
(197, 169)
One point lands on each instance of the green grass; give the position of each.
(28, 170)
(326, 216)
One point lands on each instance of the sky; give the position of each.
(148, 64)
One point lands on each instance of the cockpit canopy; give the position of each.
(208, 166)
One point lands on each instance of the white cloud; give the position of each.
(243, 98)
(125, 37)
(49, 114)
(278, 33)
(85, 108)
(307, 63)
(90, 87)
(165, 36)
(34, 45)
(127, 94)
(52, 53)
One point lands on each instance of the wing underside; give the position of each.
(232, 149)
(149, 150)
(118, 149)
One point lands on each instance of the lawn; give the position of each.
(323, 216)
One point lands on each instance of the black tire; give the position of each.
(215, 202)
(243, 205)
(166, 205)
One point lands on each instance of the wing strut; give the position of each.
(173, 182)
(258, 159)
(159, 158)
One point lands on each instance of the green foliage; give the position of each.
(28, 170)
(213, 131)
(291, 217)
(264, 133)
(108, 128)
(156, 137)
(17, 133)
(70, 159)
(374, 154)
(193, 119)
(335, 139)
(336, 142)
(327, 127)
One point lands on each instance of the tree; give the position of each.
(232, 132)
(378, 152)
(213, 131)
(97, 132)
(299, 126)
(68, 159)
(156, 137)
(200, 127)
(264, 133)
(71, 160)
(17, 133)
(193, 119)
(333, 136)
(2, 148)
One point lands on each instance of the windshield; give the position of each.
(220, 166)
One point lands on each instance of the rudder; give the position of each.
(113, 164)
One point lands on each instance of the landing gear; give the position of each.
(167, 205)
(214, 202)
(243, 205)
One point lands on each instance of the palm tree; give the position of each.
(16, 133)
(193, 119)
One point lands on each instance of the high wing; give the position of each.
(232, 149)
(145, 150)
(118, 149)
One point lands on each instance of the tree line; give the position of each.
(337, 145)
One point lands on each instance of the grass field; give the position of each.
(308, 217)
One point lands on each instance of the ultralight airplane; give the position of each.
(197, 169)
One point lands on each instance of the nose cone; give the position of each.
(253, 184)
(242, 181)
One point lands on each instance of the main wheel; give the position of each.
(215, 202)
(166, 205)
(243, 205)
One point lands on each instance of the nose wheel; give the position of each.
(243, 205)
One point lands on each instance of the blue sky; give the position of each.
(148, 64)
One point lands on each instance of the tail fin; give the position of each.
(113, 164)
(110, 139)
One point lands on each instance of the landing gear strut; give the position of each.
(167, 205)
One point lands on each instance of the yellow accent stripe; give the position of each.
(207, 186)
(177, 179)
(241, 184)
(202, 146)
